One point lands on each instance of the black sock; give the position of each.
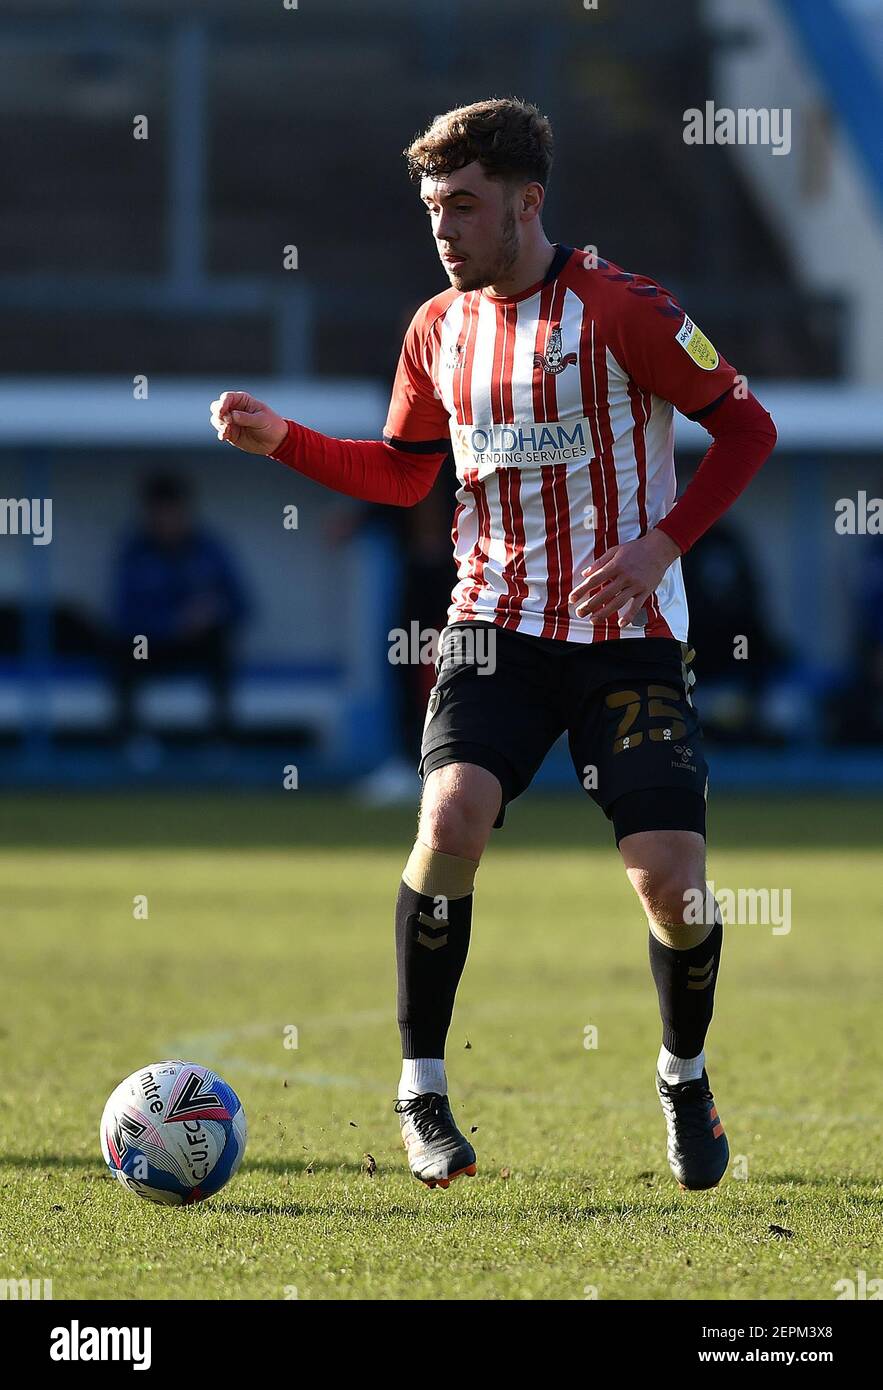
(430, 956)
(685, 983)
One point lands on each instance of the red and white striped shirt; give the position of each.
(558, 403)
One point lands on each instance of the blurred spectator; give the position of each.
(870, 637)
(856, 714)
(737, 657)
(421, 537)
(424, 535)
(178, 586)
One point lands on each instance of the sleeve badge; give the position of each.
(697, 346)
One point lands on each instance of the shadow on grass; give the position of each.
(280, 1166)
(37, 1161)
(819, 1180)
(758, 1188)
(302, 1167)
(291, 1209)
(453, 1214)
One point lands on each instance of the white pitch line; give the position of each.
(212, 1046)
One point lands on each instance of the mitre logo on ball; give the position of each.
(173, 1133)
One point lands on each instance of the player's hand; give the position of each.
(243, 420)
(623, 578)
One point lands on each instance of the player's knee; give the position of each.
(455, 826)
(665, 868)
(458, 810)
(665, 890)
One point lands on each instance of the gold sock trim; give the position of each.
(435, 874)
(681, 937)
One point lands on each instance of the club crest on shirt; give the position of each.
(554, 360)
(455, 356)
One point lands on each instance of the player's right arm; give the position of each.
(398, 470)
(243, 420)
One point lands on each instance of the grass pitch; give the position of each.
(268, 912)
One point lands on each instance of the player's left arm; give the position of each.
(664, 352)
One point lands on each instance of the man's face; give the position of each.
(168, 521)
(474, 223)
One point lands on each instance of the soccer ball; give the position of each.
(173, 1132)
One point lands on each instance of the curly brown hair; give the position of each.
(510, 138)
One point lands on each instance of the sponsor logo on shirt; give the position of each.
(697, 346)
(505, 446)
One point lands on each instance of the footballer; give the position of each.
(552, 376)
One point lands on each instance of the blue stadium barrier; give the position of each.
(834, 45)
